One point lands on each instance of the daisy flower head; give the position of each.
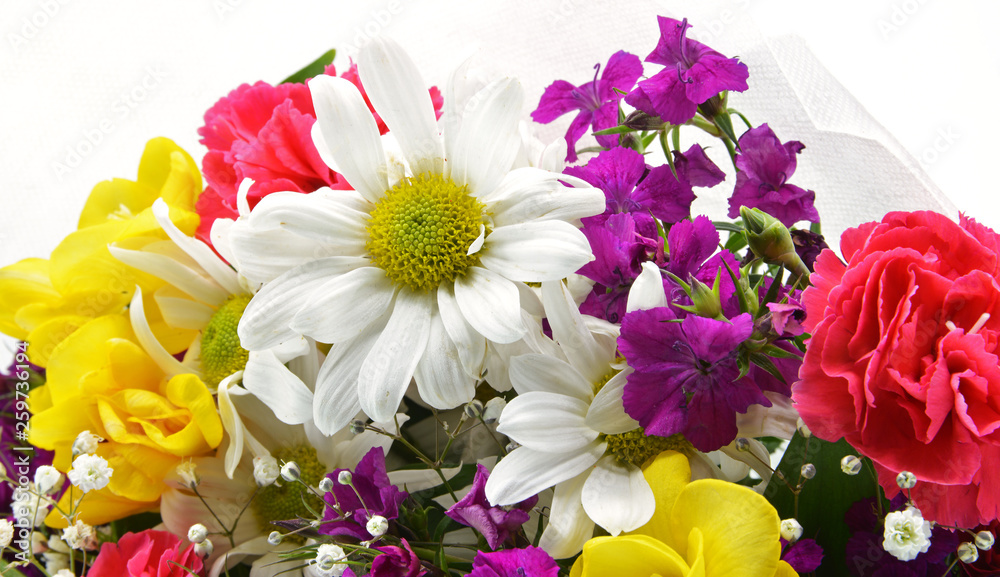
(413, 272)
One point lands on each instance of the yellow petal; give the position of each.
(667, 475)
(631, 556)
(46, 337)
(785, 570)
(98, 508)
(60, 423)
(116, 199)
(164, 167)
(739, 528)
(190, 392)
(23, 283)
(84, 352)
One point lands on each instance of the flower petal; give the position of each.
(336, 218)
(488, 139)
(263, 255)
(399, 95)
(490, 303)
(278, 388)
(173, 272)
(538, 372)
(607, 413)
(570, 330)
(647, 290)
(350, 135)
(470, 344)
(335, 401)
(524, 472)
(528, 194)
(617, 497)
(163, 359)
(388, 368)
(569, 527)
(221, 272)
(441, 380)
(536, 251)
(344, 306)
(547, 422)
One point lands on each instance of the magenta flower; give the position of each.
(804, 555)
(397, 562)
(378, 496)
(686, 377)
(495, 523)
(619, 252)
(765, 166)
(527, 562)
(694, 167)
(693, 73)
(597, 101)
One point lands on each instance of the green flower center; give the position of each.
(285, 503)
(420, 232)
(636, 447)
(221, 353)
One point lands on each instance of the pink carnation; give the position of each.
(146, 554)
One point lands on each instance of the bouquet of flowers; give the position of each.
(381, 329)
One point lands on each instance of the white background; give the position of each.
(925, 69)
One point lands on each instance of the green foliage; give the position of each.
(314, 68)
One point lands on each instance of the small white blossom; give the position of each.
(204, 549)
(79, 536)
(328, 560)
(803, 429)
(791, 530)
(90, 473)
(326, 484)
(984, 540)
(493, 408)
(85, 443)
(57, 556)
(377, 526)
(27, 505)
(6, 533)
(197, 533)
(265, 470)
(906, 480)
(188, 472)
(64, 573)
(274, 538)
(46, 478)
(968, 553)
(850, 465)
(345, 477)
(290, 472)
(906, 534)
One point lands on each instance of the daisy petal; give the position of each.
(528, 194)
(441, 380)
(220, 238)
(265, 321)
(387, 370)
(335, 218)
(490, 303)
(647, 290)
(263, 255)
(167, 363)
(535, 372)
(471, 345)
(399, 95)
(173, 272)
(335, 402)
(536, 251)
(488, 139)
(547, 422)
(343, 307)
(617, 497)
(350, 135)
(570, 330)
(569, 527)
(607, 413)
(279, 389)
(221, 272)
(524, 472)
(181, 312)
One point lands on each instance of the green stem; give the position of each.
(666, 152)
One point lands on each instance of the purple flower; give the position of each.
(619, 252)
(686, 376)
(495, 523)
(808, 245)
(765, 166)
(596, 100)
(397, 562)
(804, 555)
(693, 74)
(696, 168)
(378, 497)
(692, 254)
(527, 562)
(9, 413)
(630, 186)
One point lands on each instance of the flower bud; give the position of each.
(705, 300)
(357, 427)
(771, 241)
(803, 429)
(377, 526)
(791, 530)
(326, 484)
(274, 538)
(808, 471)
(328, 559)
(474, 409)
(204, 549)
(290, 472)
(265, 470)
(639, 120)
(197, 533)
(188, 472)
(968, 553)
(850, 465)
(85, 443)
(345, 477)
(512, 446)
(743, 444)
(984, 540)
(906, 480)
(6, 533)
(46, 478)
(494, 407)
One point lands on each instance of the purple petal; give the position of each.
(691, 242)
(576, 130)
(622, 72)
(661, 194)
(606, 117)
(696, 168)
(805, 556)
(558, 99)
(764, 158)
(668, 51)
(714, 73)
(664, 95)
(614, 171)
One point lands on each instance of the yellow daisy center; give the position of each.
(221, 353)
(420, 232)
(285, 503)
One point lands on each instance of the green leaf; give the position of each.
(725, 125)
(779, 353)
(614, 130)
(727, 226)
(314, 68)
(824, 499)
(765, 363)
(772, 291)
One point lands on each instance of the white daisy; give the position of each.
(413, 272)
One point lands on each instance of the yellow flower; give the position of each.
(44, 301)
(101, 379)
(705, 528)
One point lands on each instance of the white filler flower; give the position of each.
(410, 274)
(907, 534)
(90, 473)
